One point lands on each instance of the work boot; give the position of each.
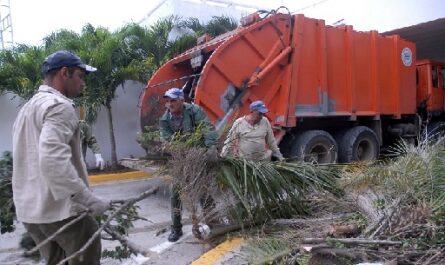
(175, 235)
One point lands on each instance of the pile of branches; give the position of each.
(410, 201)
(7, 210)
(238, 192)
(393, 212)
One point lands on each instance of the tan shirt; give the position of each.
(250, 141)
(47, 161)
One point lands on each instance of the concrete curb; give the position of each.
(217, 253)
(132, 175)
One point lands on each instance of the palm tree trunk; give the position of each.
(112, 138)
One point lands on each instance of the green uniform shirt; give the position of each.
(192, 116)
(87, 138)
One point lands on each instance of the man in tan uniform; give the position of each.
(49, 179)
(250, 136)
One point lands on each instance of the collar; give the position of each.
(48, 89)
(186, 107)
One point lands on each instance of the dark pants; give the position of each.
(67, 242)
(206, 201)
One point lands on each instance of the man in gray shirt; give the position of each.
(49, 180)
(250, 135)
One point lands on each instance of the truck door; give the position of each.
(437, 88)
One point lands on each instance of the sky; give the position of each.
(32, 20)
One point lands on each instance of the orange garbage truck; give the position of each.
(334, 94)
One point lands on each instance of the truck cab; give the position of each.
(430, 87)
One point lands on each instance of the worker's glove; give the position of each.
(95, 205)
(100, 163)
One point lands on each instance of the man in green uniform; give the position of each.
(89, 141)
(183, 118)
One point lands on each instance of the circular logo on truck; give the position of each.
(407, 56)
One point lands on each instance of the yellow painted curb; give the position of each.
(118, 176)
(215, 254)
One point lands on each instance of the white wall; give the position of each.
(126, 123)
(9, 107)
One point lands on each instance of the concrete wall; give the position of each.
(126, 123)
(9, 107)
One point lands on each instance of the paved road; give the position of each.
(147, 234)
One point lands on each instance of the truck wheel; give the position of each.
(315, 146)
(358, 144)
(435, 130)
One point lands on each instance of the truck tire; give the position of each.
(358, 144)
(315, 146)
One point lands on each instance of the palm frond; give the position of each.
(416, 172)
(269, 189)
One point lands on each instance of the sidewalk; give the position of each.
(151, 235)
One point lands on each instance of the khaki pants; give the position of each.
(67, 242)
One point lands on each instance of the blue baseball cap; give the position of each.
(259, 106)
(61, 59)
(174, 93)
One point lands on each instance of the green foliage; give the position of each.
(416, 173)
(150, 139)
(63, 40)
(123, 221)
(119, 252)
(7, 210)
(187, 140)
(20, 71)
(358, 219)
(271, 250)
(219, 25)
(216, 26)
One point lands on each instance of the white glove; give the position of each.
(94, 204)
(100, 163)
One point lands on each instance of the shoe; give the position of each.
(175, 235)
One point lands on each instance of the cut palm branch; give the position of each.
(246, 191)
(267, 190)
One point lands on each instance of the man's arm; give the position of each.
(272, 143)
(59, 125)
(230, 141)
(165, 131)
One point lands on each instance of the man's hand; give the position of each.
(100, 163)
(94, 204)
